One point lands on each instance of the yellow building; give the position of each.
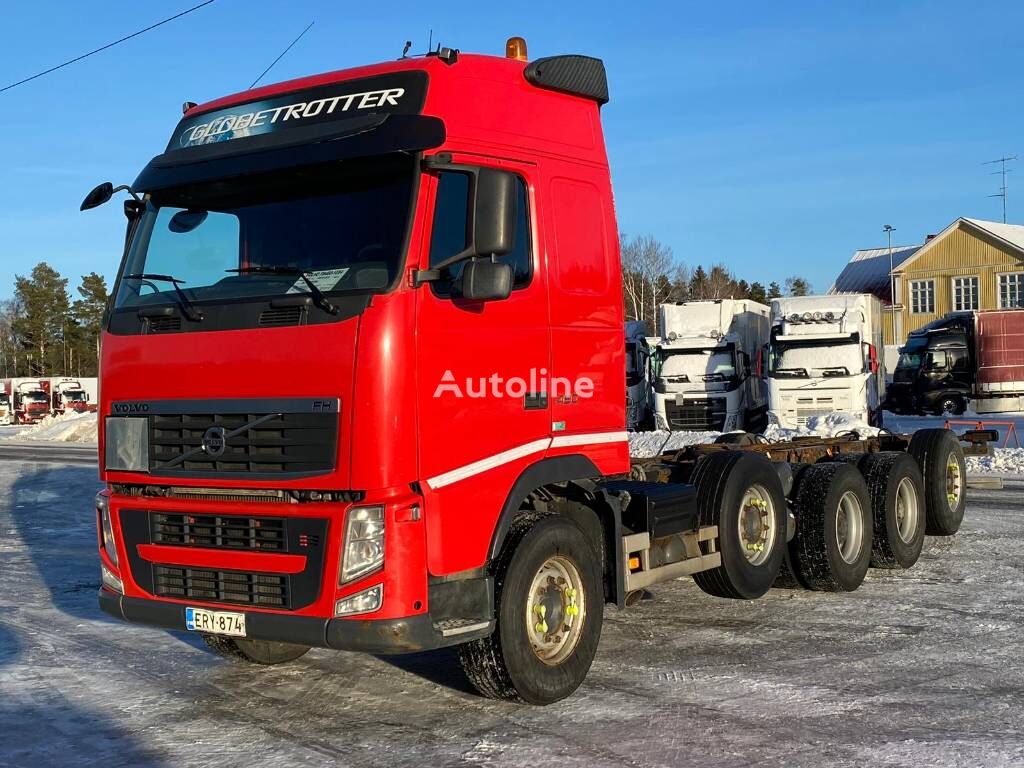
(970, 265)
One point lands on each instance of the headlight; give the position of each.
(363, 552)
(127, 444)
(110, 580)
(361, 602)
(106, 527)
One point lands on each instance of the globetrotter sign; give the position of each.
(400, 93)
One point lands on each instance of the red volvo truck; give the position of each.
(30, 399)
(362, 388)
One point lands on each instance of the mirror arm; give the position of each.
(129, 190)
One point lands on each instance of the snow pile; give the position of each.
(829, 425)
(1003, 461)
(69, 428)
(643, 445)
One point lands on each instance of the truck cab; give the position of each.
(31, 400)
(824, 357)
(6, 413)
(68, 395)
(935, 372)
(706, 366)
(638, 383)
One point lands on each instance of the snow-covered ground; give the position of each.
(920, 668)
(68, 428)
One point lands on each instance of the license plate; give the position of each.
(680, 399)
(215, 622)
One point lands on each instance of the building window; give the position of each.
(922, 297)
(1011, 290)
(965, 293)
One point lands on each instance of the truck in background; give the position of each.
(638, 382)
(30, 399)
(824, 356)
(6, 411)
(706, 370)
(77, 395)
(961, 360)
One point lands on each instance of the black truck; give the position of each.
(936, 369)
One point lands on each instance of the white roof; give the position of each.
(1011, 233)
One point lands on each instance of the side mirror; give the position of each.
(99, 195)
(494, 213)
(484, 280)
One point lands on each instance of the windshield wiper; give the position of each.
(186, 306)
(791, 373)
(318, 297)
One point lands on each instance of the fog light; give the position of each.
(110, 580)
(106, 527)
(363, 550)
(361, 602)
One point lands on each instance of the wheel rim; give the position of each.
(556, 608)
(906, 510)
(849, 527)
(948, 406)
(756, 525)
(954, 481)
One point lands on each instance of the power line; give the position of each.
(105, 47)
(293, 42)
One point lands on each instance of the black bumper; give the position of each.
(381, 636)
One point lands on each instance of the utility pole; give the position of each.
(889, 229)
(1002, 174)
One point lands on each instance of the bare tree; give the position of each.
(648, 269)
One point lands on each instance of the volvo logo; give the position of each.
(215, 441)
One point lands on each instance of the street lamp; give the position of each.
(889, 229)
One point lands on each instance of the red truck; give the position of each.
(362, 388)
(69, 394)
(30, 399)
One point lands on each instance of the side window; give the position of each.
(450, 229)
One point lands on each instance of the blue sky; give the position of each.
(773, 137)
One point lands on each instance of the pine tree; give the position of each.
(797, 286)
(774, 291)
(758, 293)
(88, 316)
(41, 329)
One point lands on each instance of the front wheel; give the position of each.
(549, 601)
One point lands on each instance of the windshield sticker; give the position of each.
(401, 93)
(324, 279)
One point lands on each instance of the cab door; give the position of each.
(482, 399)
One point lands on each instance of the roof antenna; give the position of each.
(405, 50)
(281, 56)
(1002, 172)
(430, 41)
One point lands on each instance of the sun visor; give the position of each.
(354, 118)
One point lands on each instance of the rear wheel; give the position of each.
(897, 504)
(741, 493)
(257, 651)
(549, 601)
(951, 405)
(832, 547)
(941, 459)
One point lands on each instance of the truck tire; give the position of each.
(952, 405)
(736, 438)
(549, 603)
(831, 551)
(941, 459)
(897, 505)
(257, 651)
(741, 493)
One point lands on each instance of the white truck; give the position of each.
(825, 355)
(707, 366)
(6, 409)
(77, 395)
(638, 382)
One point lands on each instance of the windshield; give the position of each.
(819, 358)
(696, 365)
(343, 223)
(910, 355)
(74, 395)
(35, 397)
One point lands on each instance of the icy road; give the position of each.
(919, 669)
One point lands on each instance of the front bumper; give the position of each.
(378, 636)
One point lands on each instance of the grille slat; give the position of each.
(708, 415)
(286, 443)
(258, 534)
(244, 588)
